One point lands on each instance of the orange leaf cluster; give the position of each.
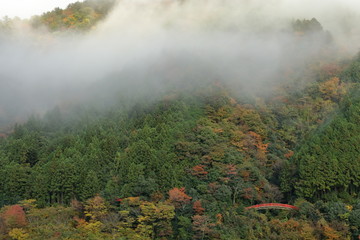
(219, 218)
(199, 171)
(289, 154)
(231, 169)
(178, 197)
(198, 209)
(258, 142)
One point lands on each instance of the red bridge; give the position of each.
(273, 206)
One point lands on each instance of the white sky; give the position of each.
(28, 8)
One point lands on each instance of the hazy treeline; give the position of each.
(151, 46)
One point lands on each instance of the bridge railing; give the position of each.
(273, 206)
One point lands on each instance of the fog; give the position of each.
(145, 47)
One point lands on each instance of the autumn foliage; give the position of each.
(202, 227)
(199, 171)
(14, 217)
(96, 208)
(178, 197)
(198, 209)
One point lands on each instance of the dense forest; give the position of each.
(186, 164)
(77, 16)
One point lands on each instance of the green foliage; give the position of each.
(354, 220)
(352, 72)
(328, 161)
(307, 25)
(50, 222)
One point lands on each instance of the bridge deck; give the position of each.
(273, 206)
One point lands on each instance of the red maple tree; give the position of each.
(178, 197)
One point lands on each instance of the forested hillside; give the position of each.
(77, 16)
(186, 163)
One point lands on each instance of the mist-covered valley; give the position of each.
(175, 119)
(155, 46)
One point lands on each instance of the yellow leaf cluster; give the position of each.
(19, 234)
